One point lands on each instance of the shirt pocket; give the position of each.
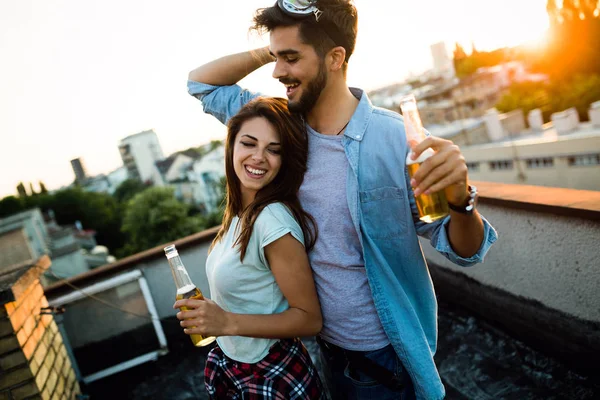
(384, 212)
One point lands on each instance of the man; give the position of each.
(379, 308)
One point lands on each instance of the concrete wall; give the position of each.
(553, 259)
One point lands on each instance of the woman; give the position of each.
(262, 289)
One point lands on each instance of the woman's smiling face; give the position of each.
(256, 156)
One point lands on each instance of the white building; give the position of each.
(557, 156)
(196, 179)
(172, 169)
(442, 62)
(139, 153)
(106, 183)
(207, 173)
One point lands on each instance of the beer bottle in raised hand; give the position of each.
(432, 206)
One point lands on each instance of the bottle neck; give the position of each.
(180, 274)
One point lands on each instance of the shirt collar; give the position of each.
(357, 128)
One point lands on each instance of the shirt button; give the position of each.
(358, 136)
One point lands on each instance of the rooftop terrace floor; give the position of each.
(475, 360)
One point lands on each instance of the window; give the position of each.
(544, 162)
(584, 160)
(473, 166)
(501, 165)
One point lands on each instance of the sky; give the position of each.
(76, 76)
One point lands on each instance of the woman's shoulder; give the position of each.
(276, 219)
(276, 212)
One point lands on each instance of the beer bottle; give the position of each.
(432, 206)
(185, 289)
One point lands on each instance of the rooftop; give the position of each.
(549, 134)
(475, 360)
(523, 325)
(450, 129)
(143, 133)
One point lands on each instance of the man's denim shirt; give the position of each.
(384, 213)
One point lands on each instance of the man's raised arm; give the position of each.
(231, 69)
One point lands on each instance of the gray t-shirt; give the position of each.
(350, 319)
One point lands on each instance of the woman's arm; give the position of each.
(289, 263)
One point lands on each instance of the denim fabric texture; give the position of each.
(352, 380)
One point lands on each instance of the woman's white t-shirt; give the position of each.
(249, 287)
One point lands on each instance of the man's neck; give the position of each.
(333, 110)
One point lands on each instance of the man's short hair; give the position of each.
(341, 13)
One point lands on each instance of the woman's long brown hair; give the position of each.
(284, 187)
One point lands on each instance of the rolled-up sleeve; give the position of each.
(440, 241)
(437, 233)
(222, 102)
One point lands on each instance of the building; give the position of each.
(172, 169)
(79, 170)
(464, 132)
(443, 64)
(196, 179)
(139, 153)
(566, 155)
(36, 363)
(72, 249)
(106, 183)
(207, 172)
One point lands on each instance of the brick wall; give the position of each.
(33, 359)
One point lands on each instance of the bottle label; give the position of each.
(172, 254)
(424, 156)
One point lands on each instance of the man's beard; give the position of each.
(313, 91)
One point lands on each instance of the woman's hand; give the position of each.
(204, 317)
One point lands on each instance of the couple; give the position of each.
(328, 177)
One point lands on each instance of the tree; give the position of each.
(459, 53)
(97, 211)
(155, 217)
(128, 189)
(467, 65)
(10, 205)
(579, 92)
(573, 44)
(526, 96)
(43, 189)
(21, 190)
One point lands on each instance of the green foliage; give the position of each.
(128, 189)
(97, 211)
(579, 92)
(526, 96)
(43, 189)
(10, 205)
(154, 217)
(574, 47)
(467, 65)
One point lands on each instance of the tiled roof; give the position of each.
(164, 165)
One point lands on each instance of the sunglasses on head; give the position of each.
(301, 9)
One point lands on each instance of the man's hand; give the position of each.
(445, 170)
(204, 317)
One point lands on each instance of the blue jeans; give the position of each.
(350, 382)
